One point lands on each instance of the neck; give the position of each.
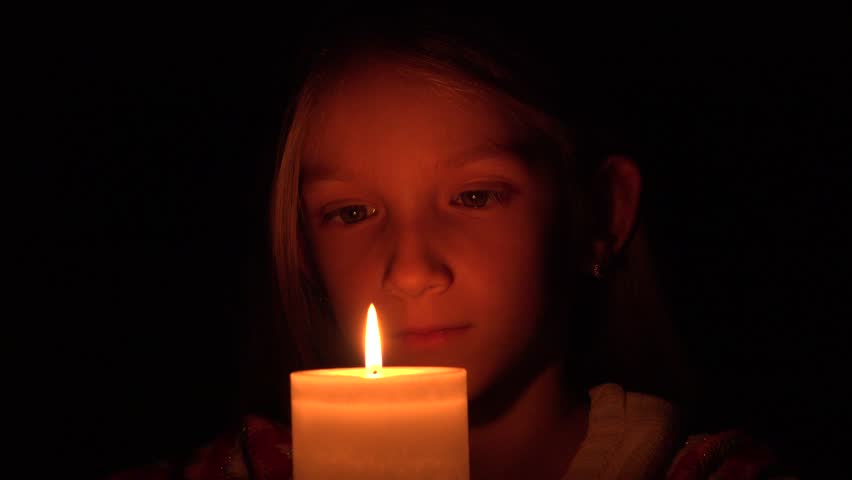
(535, 437)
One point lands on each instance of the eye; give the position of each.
(350, 214)
(479, 198)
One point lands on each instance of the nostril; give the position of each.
(415, 279)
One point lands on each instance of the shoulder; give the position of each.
(259, 449)
(629, 435)
(636, 435)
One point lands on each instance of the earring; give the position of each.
(596, 271)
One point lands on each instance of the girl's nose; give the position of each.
(414, 267)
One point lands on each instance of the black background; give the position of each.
(156, 249)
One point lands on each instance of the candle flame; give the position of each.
(373, 345)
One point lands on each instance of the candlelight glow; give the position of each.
(373, 345)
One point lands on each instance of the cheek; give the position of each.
(350, 270)
(500, 273)
(511, 257)
(503, 271)
(508, 251)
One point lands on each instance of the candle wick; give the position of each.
(375, 372)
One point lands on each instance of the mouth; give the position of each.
(426, 337)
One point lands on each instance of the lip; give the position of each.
(429, 336)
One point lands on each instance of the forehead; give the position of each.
(384, 110)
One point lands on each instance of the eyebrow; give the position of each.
(486, 152)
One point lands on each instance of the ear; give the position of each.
(620, 185)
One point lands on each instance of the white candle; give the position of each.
(379, 423)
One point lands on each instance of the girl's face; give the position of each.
(417, 199)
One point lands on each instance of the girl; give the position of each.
(448, 174)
